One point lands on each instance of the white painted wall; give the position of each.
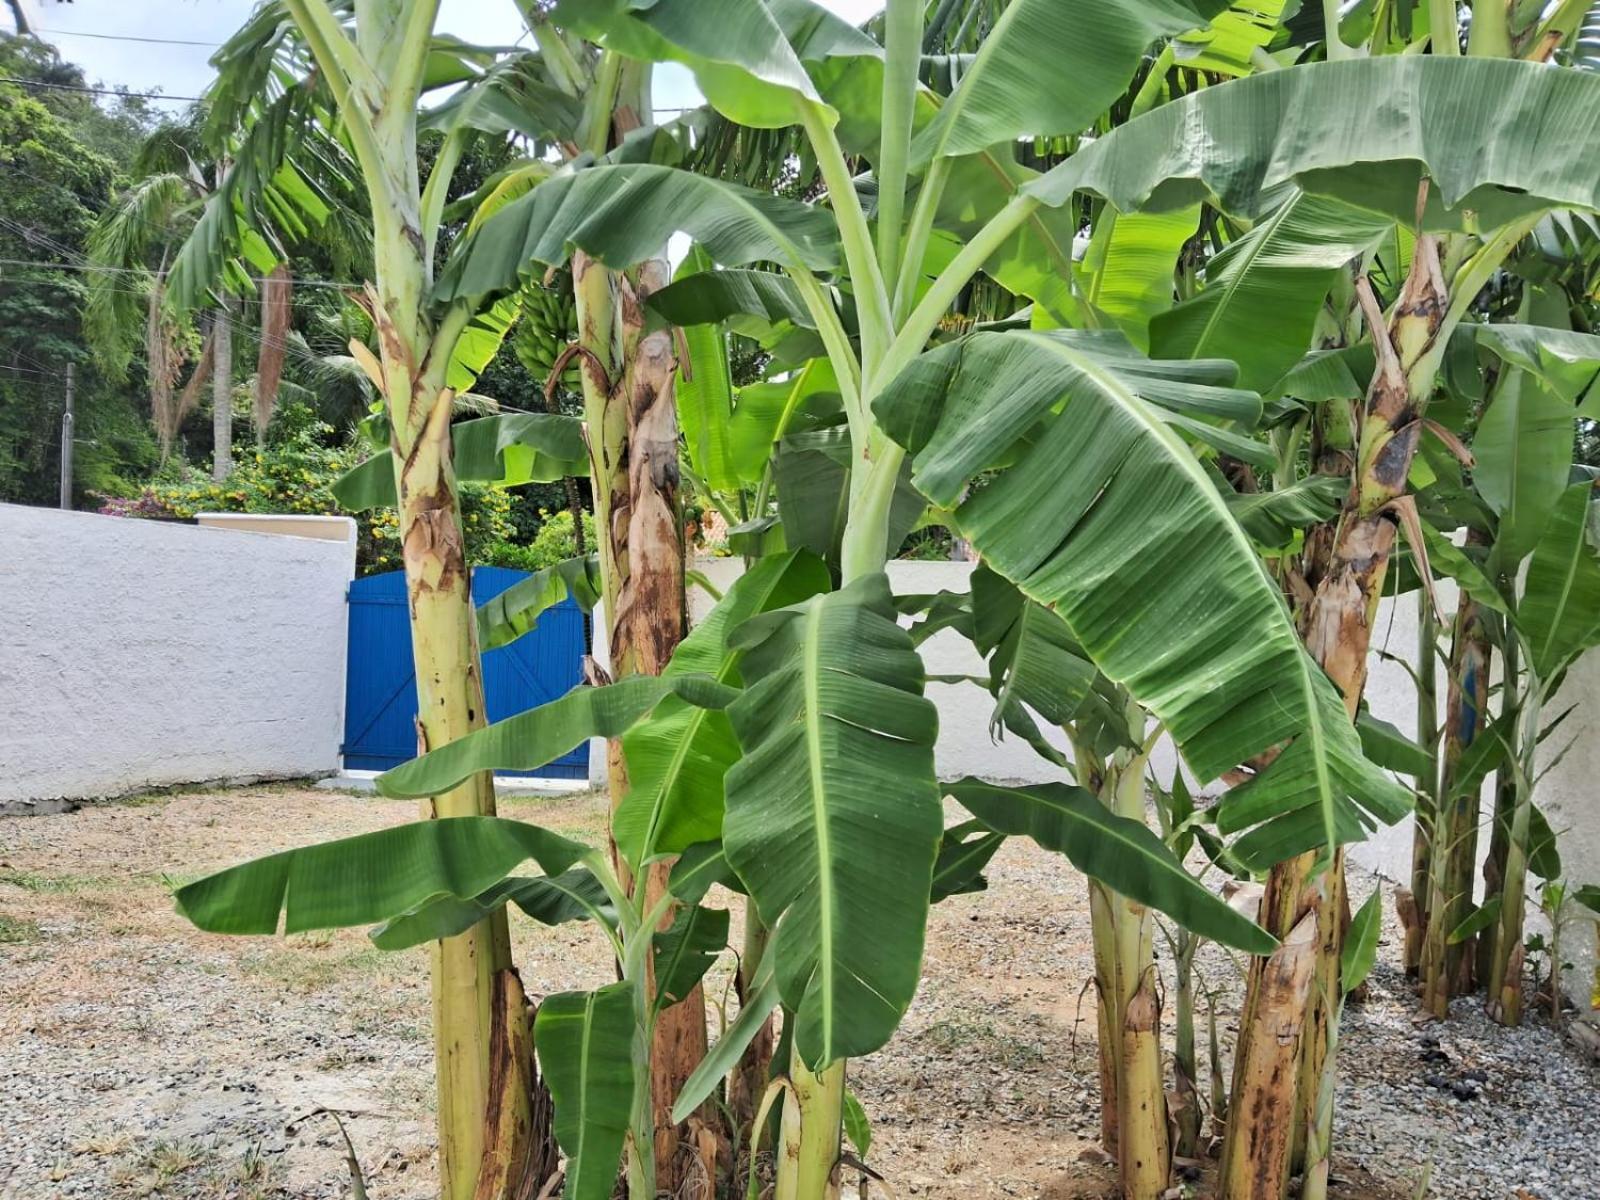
(140, 653)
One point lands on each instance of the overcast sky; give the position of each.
(183, 70)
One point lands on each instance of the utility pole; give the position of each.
(66, 446)
(222, 395)
(20, 17)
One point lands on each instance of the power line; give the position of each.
(94, 91)
(66, 266)
(126, 37)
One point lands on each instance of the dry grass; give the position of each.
(147, 1059)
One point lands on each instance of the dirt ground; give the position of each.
(140, 1058)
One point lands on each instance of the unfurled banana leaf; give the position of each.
(677, 759)
(705, 380)
(1361, 943)
(1273, 518)
(516, 611)
(1034, 659)
(685, 951)
(1565, 360)
(623, 214)
(1229, 44)
(372, 877)
(1050, 68)
(711, 297)
(1119, 852)
(812, 472)
(1523, 447)
(1475, 922)
(1037, 260)
(1127, 271)
(1560, 610)
(1363, 131)
(857, 1128)
(1151, 573)
(532, 738)
(479, 342)
(508, 449)
(549, 899)
(1282, 837)
(514, 96)
(766, 411)
(963, 854)
(1262, 293)
(585, 1044)
(697, 868)
(1391, 749)
(1320, 376)
(937, 611)
(833, 812)
(1447, 559)
(721, 1059)
(746, 55)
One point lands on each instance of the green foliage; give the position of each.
(1118, 851)
(54, 183)
(1138, 509)
(294, 473)
(371, 877)
(833, 814)
(1317, 125)
(553, 543)
(584, 1041)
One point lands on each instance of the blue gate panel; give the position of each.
(380, 710)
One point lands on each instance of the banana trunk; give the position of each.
(1255, 1161)
(813, 1115)
(1446, 968)
(1414, 916)
(1347, 580)
(629, 383)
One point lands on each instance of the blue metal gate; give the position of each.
(380, 707)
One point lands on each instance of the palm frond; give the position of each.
(119, 248)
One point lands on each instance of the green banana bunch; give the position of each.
(549, 323)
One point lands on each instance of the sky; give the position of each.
(91, 32)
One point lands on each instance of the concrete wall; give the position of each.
(139, 653)
(328, 529)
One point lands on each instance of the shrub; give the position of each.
(294, 473)
(551, 544)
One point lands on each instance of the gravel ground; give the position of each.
(141, 1058)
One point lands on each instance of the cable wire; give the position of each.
(126, 37)
(94, 91)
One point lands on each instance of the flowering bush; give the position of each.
(295, 473)
(552, 543)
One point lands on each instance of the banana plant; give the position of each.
(375, 61)
(830, 814)
(794, 243)
(1035, 667)
(1357, 954)
(1346, 569)
(1530, 510)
